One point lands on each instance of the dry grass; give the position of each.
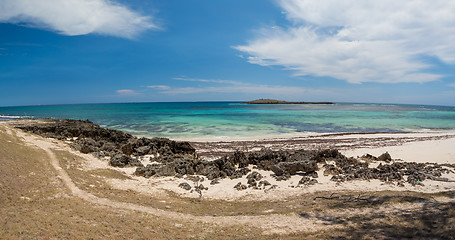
(36, 205)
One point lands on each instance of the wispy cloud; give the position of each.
(76, 17)
(159, 87)
(208, 80)
(127, 92)
(257, 89)
(231, 87)
(366, 41)
(451, 85)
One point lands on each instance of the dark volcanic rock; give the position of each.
(239, 186)
(253, 178)
(200, 187)
(283, 177)
(179, 158)
(185, 186)
(307, 181)
(240, 172)
(311, 174)
(215, 181)
(294, 167)
(385, 157)
(121, 160)
(239, 158)
(264, 183)
(144, 150)
(88, 137)
(331, 169)
(156, 170)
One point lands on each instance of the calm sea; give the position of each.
(198, 119)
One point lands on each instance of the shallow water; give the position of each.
(198, 119)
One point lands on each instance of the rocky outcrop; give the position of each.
(88, 137)
(185, 186)
(179, 158)
(122, 160)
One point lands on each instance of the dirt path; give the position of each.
(273, 223)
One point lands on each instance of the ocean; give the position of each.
(235, 119)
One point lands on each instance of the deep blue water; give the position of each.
(196, 119)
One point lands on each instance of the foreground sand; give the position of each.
(420, 147)
(50, 191)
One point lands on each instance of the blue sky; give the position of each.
(97, 51)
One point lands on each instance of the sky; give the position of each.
(101, 51)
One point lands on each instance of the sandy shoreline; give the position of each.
(302, 135)
(433, 146)
(421, 147)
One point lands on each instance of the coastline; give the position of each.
(420, 147)
(352, 144)
(302, 135)
(286, 208)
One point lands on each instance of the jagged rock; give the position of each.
(144, 150)
(107, 146)
(239, 186)
(385, 157)
(179, 158)
(264, 183)
(201, 187)
(240, 172)
(369, 157)
(185, 186)
(156, 170)
(311, 174)
(165, 170)
(183, 166)
(253, 178)
(338, 178)
(283, 177)
(92, 138)
(416, 179)
(215, 181)
(307, 181)
(194, 178)
(239, 158)
(121, 160)
(330, 169)
(327, 155)
(210, 171)
(145, 171)
(127, 149)
(294, 167)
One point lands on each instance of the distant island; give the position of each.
(273, 101)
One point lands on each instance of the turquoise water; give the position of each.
(197, 119)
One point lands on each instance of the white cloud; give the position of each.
(451, 85)
(76, 17)
(243, 88)
(256, 89)
(126, 92)
(160, 87)
(235, 87)
(359, 41)
(208, 80)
